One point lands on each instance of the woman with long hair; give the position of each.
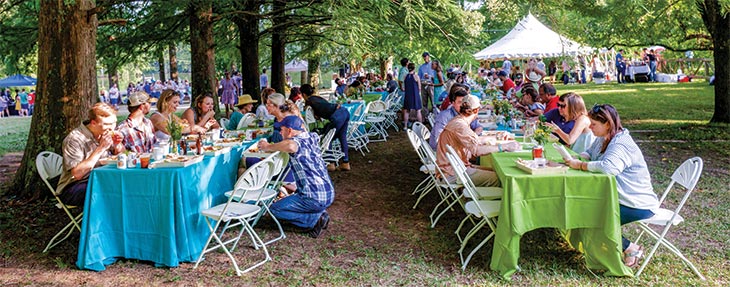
(614, 152)
(166, 107)
(438, 82)
(201, 113)
(572, 108)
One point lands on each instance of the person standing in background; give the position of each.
(425, 75)
(31, 101)
(263, 80)
(507, 66)
(620, 67)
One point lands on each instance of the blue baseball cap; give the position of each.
(293, 122)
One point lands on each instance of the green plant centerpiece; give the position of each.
(543, 133)
(502, 107)
(175, 129)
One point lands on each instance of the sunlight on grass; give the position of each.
(608, 91)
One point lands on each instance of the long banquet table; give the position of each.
(152, 214)
(582, 205)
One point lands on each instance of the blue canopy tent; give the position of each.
(18, 80)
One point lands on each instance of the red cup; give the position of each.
(144, 161)
(537, 152)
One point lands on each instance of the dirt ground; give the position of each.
(371, 218)
(376, 190)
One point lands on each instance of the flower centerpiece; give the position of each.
(502, 107)
(175, 130)
(543, 134)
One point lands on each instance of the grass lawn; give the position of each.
(375, 238)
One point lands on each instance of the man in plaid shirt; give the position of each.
(138, 131)
(307, 207)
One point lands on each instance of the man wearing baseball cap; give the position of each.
(426, 74)
(468, 145)
(307, 208)
(137, 130)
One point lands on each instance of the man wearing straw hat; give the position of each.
(245, 105)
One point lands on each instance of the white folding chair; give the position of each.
(300, 104)
(330, 155)
(252, 181)
(50, 165)
(447, 191)
(428, 183)
(482, 192)
(246, 120)
(224, 123)
(485, 210)
(687, 176)
(422, 131)
(377, 121)
(265, 198)
(357, 139)
(431, 119)
(309, 118)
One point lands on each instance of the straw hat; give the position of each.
(245, 99)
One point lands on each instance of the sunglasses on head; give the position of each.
(597, 108)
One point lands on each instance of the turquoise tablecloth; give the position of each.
(583, 205)
(152, 214)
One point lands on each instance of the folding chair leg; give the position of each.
(419, 188)
(468, 236)
(425, 192)
(448, 207)
(661, 241)
(74, 223)
(474, 251)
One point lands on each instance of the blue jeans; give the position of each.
(628, 215)
(339, 121)
(301, 211)
(652, 74)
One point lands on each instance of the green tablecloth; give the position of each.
(583, 205)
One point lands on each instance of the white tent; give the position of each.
(296, 66)
(531, 38)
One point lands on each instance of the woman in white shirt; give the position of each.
(572, 108)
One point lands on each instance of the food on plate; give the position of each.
(229, 140)
(212, 148)
(253, 149)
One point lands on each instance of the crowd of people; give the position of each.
(22, 104)
(597, 135)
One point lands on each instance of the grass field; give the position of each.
(377, 239)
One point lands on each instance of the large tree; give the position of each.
(202, 48)
(717, 21)
(66, 82)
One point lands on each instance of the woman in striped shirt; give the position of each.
(615, 152)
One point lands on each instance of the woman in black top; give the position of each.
(339, 120)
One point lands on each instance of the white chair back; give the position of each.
(255, 177)
(421, 130)
(49, 165)
(224, 123)
(246, 120)
(309, 116)
(376, 107)
(325, 141)
(300, 104)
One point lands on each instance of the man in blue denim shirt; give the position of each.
(315, 192)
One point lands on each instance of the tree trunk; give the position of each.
(161, 63)
(248, 32)
(202, 50)
(718, 24)
(278, 47)
(383, 65)
(66, 84)
(313, 72)
(113, 76)
(173, 62)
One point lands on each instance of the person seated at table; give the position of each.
(614, 152)
(137, 130)
(459, 135)
(166, 107)
(262, 111)
(528, 104)
(82, 148)
(456, 97)
(341, 86)
(392, 84)
(295, 94)
(339, 119)
(556, 117)
(307, 208)
(548, 96)
(354, 90)
(280, 108)
(201, 113)
(508, 85)
(572, 108)
(244, 106)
